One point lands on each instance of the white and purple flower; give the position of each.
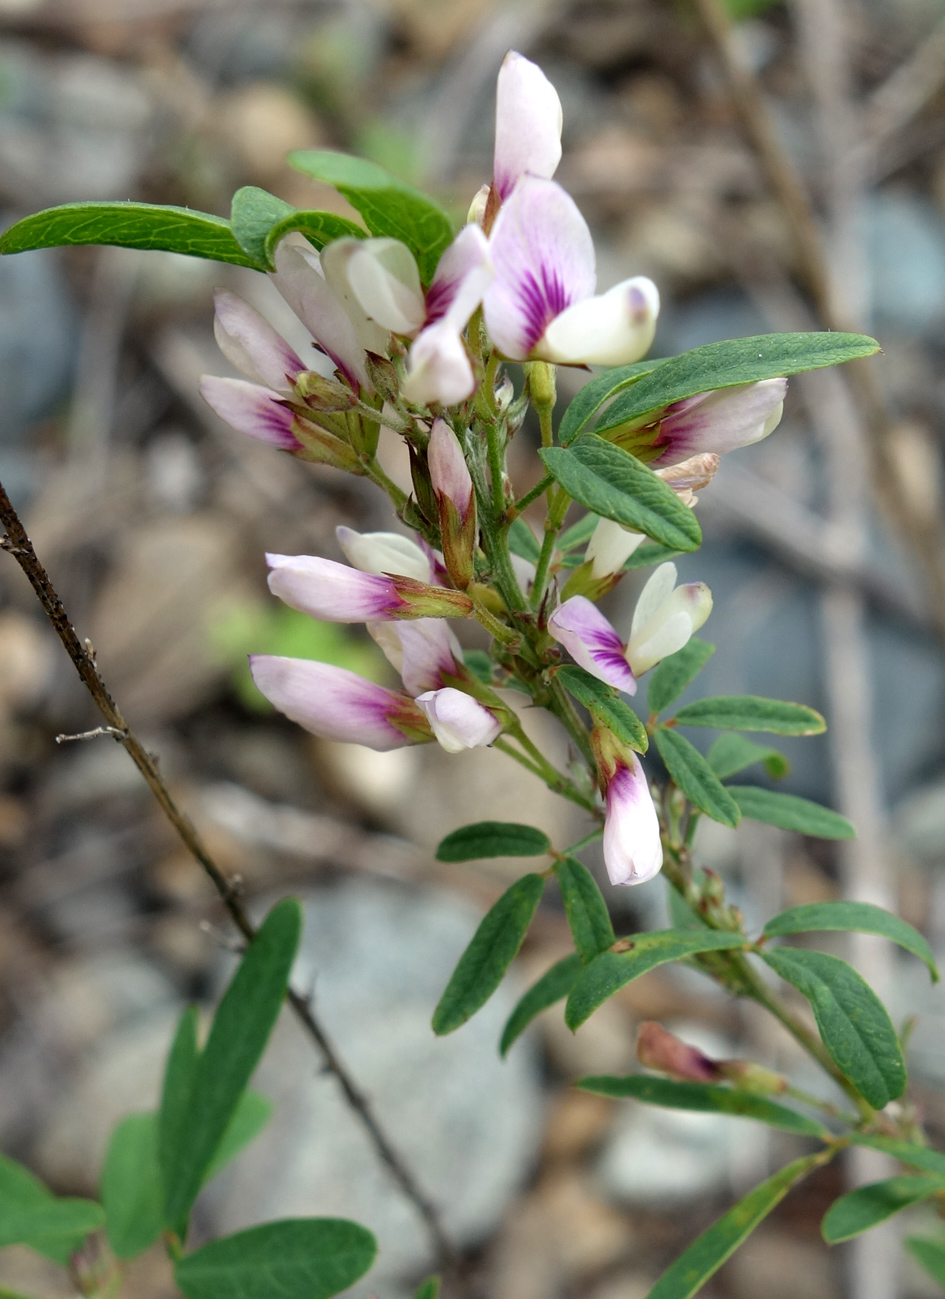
(459, 721)
(717, 421)
(633, 850)
(333, 592)
(528, 121)
(664, 619)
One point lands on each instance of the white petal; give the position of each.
(251, 409)
(458, 721)
(449, 475)
(383, 276)
(250, 343)
(615, 328)
(371, 336)
(633, 852)
(463, 274)
(384, 552)
(658, 588)
(668, 636)
(438, 368)
(610, 547)
(720, 420)
(320, 310)
(528, 123)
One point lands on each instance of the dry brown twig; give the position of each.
(16, 542)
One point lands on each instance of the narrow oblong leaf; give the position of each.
(706, 1255)
(259, 220)
(752, 713)
(854, 1024)
(695, 777)
(389, 206)
(588, 401)
(610, 971)
(605, 706)
(179, 1074)
(907, 1152)
(129, 225)
(616, 485)
(857, 917)
(492, 950)
(19, 1187)
(671, 677)
(704, 1098)
(253, 1111)
(729, 363)
(554, 985)
(790, 812)
(297, 1258)
(585, 908)
(867, 1206)
(52, 1218)
(493, 839)
(241, 1027)
(929, 1254)
(732, 753)
(523, 542)
(132, 1189)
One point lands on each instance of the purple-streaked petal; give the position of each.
(458, 721)
(423, 651)
(332, 702)
(332, 592)
(721, 420)
(463, 274)
(385, 552)
(615, 328)
(610, 547)
(251, 409)
(250, 343)
(657, 1049)
(449, 475)
(592, 642)
(383, 276)
(527, 124)
(633, 852)
(543, 256)
(321, 311)
(439, 371)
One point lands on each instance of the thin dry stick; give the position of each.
(926, 536)
(16, 542)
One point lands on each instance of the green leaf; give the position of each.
(389, 206)
(480, 665)
(853, 1022)
(858, 917)
(594, 394)
(48, 1220)
(706, 1255)
(493, 948)
(523, 542)
(551, 987)
(132, 1190)
(241, 1028)
(867, 1206)
(608, 972)
(259, 220)
(749, 713)
(579, 535)
(695, 777)
(493, 839)
(706, 1098)
(929, 1254)
(673, 674)
(428, 1289)
(298, 1258)
(732, 753)
(585, 908)
(790, 812)
(907, 1152)
(20, 1190)
(253, 1111)
(729, 363)
(131, 225)
(605, 706)
(179, 1074)
(616, 485)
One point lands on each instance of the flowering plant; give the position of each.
(413, 327)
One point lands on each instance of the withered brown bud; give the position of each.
(659, 1049)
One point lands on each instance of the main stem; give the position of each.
(16, 542)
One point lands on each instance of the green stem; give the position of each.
(543, 769)
(496, 469)
(557, 509)
(538, 490)
(564, 710)
(377, 475)
(495, 628)
(583, 843)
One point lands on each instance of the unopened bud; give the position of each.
(477, 208)
(323, 394)
(383, 375)
(753, 1077)
(456, 504)
(661, 1050)
(319, 446)
(541, 384)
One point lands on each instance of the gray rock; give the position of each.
(466, 1123)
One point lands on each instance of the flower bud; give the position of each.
(459, 721)
(384, 553)
(633, 849)
(323, 394)
(335, 593)
(661, 1050)
(456, 506)
(610, 547)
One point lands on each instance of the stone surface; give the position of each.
(469, 1125)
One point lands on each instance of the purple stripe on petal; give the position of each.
(330, 701)
(633, 852)
(592, 642)
(250, 409)
(720, 420)
(330, 591)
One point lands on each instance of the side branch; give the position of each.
(16, 543)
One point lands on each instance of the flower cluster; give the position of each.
(518, 283)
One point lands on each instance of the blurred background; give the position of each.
(729, 153)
